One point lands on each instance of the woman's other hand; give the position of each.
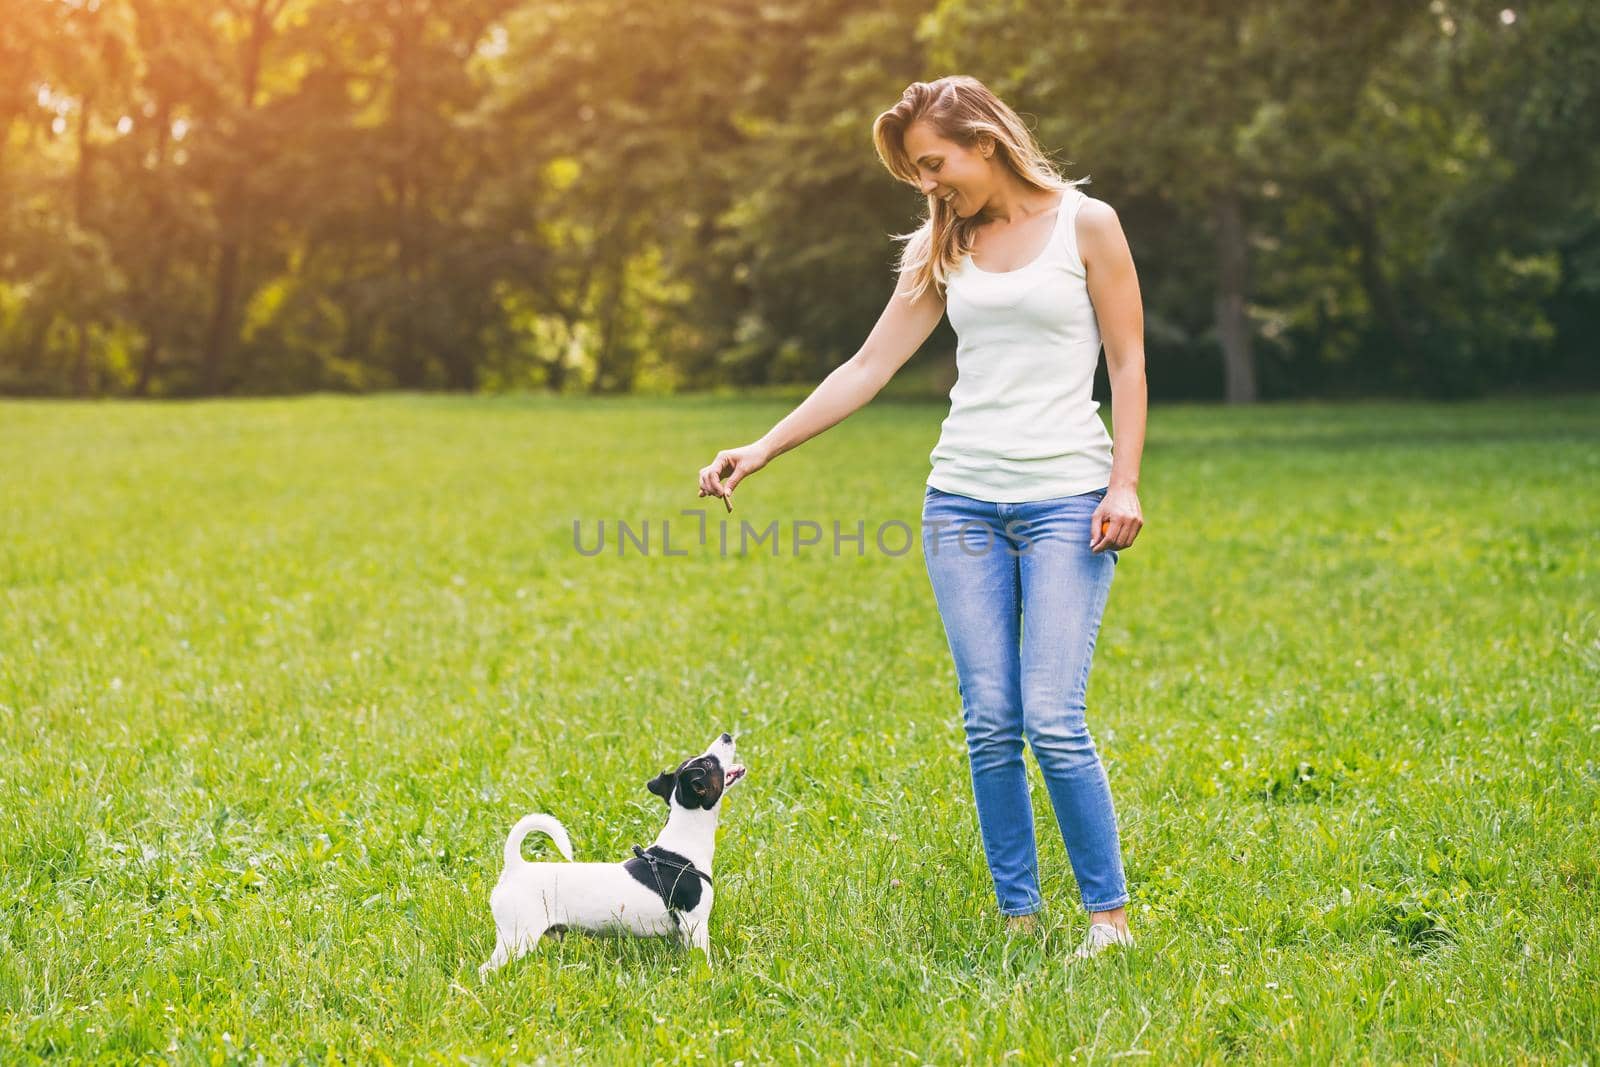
(730, 468)
(1117, 521)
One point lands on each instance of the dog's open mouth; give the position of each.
(734, 773)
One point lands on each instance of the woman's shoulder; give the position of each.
(1096, 229)
(1095, 212)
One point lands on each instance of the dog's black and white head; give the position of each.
(699, 782)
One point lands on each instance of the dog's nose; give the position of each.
(727, 739)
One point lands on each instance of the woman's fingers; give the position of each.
(1107, 531)
(711, 478)
(708, 478)
(727, 471)
(1116, 522)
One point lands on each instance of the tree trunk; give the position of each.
(80, 202)
(80, 364)
(1233, 325)
(1360, 221)
(219, 333)
(606, 363)
(147, 364)
(151, 306)
(411, 368)
(555, 375)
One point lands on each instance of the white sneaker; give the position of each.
(1100, 937)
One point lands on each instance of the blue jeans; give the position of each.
(991, 564)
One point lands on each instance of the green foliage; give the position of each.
(270, 196)
(1401, 237)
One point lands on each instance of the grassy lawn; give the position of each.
(276, 678)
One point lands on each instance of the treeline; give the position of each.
(203, 197)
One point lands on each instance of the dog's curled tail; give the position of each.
(546, 825)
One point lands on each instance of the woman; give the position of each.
(1026, 507)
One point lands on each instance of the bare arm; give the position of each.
(1114, 291)
(900, 331)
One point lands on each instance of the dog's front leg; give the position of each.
(697, 935)
(500, 957)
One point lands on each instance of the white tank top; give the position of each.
(1023, 423)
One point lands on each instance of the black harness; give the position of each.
(656, 862)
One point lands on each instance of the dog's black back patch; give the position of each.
(678, 878)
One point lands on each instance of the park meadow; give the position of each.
(278, 675)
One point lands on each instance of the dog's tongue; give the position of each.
(735, 772)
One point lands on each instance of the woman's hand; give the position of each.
(731, 464)
(1117, 521)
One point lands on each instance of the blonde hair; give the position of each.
(960, 109)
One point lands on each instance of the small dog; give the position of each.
(664, 890)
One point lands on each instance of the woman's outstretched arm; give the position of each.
(900, 331)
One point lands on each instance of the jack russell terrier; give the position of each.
(665, 890)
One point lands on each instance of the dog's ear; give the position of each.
(661, 785)
(713, 792)
(698, 788)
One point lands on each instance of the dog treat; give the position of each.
(727, 501)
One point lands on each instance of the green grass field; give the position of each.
(276, 677)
